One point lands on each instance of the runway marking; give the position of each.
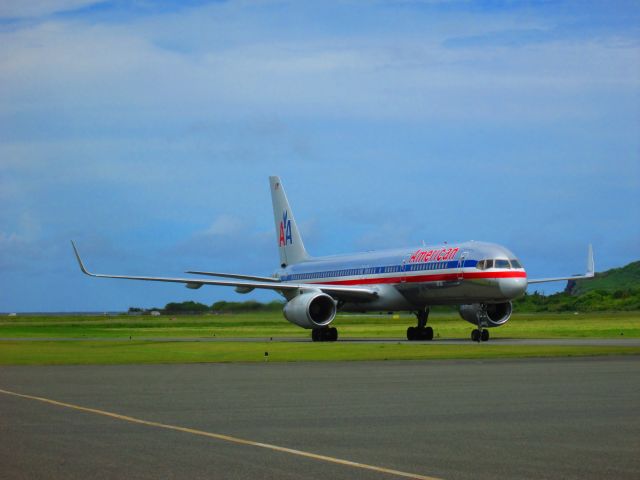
(226, 438)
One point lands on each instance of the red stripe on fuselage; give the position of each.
(428, 278)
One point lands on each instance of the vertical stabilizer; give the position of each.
(287, 235)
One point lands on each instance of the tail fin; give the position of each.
(289, 241)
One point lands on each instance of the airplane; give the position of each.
(480, 278)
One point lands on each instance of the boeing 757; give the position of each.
(480, 278)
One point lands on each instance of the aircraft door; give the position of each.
(403, 268)
(461, 259)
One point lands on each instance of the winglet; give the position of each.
(82, 267)
(590, 264)
(590, 273)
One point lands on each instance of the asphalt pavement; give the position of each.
(540, 418)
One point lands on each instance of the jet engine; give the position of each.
(311, 310)
(487, 314)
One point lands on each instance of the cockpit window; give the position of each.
(497, 263)
(503, 264)
(484, 264)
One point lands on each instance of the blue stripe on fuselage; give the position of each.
(379, 270)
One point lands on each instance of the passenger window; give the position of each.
(503, 264)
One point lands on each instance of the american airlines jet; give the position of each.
(481, 278)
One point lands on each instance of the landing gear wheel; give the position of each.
(415, 333)
(333, 334)
(484, 336)
(421, 331)
(411, 333)
(428, 333)
(327, 334)
(475, 335)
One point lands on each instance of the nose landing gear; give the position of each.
(480, 334)
(421, 331)
(326, 334)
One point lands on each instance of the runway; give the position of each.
(547, 418)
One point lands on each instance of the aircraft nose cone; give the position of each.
(513, 287)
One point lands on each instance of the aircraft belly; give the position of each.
(389, 298)
(452, 292)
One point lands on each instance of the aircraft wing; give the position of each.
(590, 272)
(336, 291)
(235, 275)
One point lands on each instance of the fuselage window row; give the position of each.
(481, 265)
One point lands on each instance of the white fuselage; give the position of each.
(406, 279)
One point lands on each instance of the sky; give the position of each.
(146, 131)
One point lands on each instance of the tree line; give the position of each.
(625, 299)
(191, 307)
(591, 301)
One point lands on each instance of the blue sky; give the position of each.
(146, 132)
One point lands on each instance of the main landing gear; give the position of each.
(480, 334)
(421, 331)
(325, 334)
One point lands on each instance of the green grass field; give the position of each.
(265, 325)
(125, 339)
(118, 352)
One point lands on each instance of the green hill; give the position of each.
(616, 289)
(624, 278)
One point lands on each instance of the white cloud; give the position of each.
(225, 225)
(37, 8)
(130, 77)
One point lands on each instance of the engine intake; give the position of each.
(487, 314)
(311, 310)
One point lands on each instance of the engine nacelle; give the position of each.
(311, 310)
(487, 314)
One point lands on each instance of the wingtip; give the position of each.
(82, 267)
(590, 263)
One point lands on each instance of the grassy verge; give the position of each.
(125, 339)
(119, 352)
(591, 325)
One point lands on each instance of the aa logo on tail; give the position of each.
(285, 230)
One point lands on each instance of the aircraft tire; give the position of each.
(332, 334)
(428, 333)
(411, 333)
(485, 335)
(475, 335)
(324, 334)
